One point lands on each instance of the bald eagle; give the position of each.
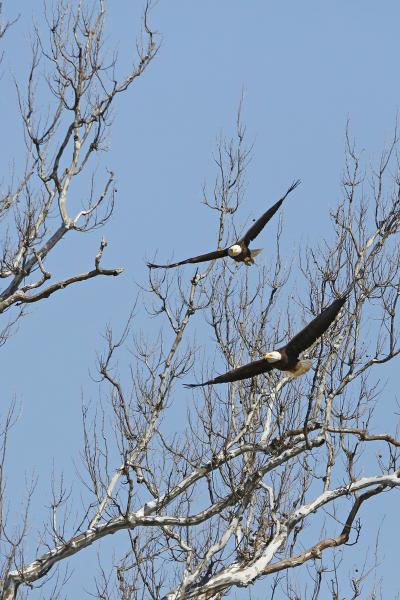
(285, 358)
(239, 251)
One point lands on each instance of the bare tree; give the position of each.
(65, 107)
(81, 84)
(230, 500)
(265, 475)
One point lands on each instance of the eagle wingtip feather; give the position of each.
(192, 385)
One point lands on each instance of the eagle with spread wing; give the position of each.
(286, 358)
(239, 251)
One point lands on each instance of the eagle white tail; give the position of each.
(255, 252)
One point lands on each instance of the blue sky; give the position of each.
(304, 68)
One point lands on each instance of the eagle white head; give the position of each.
(234, 250)
(272, 357)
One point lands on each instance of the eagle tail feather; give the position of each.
(255, 252)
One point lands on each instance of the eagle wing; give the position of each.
(195, 259)
(245, 372)
(315, 329)
(263, 220)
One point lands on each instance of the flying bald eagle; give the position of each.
(285, 358)
(239, 251)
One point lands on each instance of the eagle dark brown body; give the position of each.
(239, 251)
(286, 358)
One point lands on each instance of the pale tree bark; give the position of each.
(267, 474)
